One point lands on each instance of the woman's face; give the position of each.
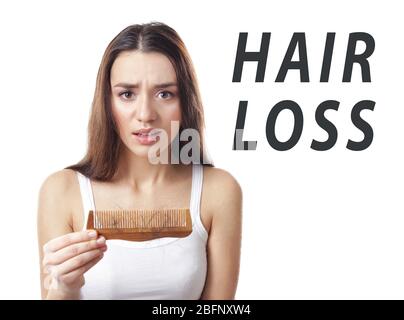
(144, 95)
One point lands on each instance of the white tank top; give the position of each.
(161, 269)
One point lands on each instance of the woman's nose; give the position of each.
(145, 111)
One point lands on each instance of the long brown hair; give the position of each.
(104, 143)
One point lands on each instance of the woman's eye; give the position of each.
(165, 94)
(126, 95)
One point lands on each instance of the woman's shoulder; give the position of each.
(58, 192)
(221, 188)
(56, 203)
(59, 182)
(220, 178)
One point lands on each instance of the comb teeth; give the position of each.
(140, 218)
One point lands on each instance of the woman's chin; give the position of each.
(141, 152)
(156, 156)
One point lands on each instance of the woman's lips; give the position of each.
(145, 137)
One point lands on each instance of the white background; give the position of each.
(315, 224)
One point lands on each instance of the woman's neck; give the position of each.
(139, 173)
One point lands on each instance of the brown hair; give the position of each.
(104, 143)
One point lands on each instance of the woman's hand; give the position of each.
(66, 259)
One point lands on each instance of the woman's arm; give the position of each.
(224, 196)
(54, 216)
(64, 255)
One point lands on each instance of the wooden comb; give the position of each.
(140, 224)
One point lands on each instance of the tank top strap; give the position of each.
(195, 204)
(86, 196)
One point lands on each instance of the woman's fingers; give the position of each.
(66, 253)
(68, 239)
(75, 262)
(71, 277)
(68, 257)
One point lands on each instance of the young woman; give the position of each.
(146, 81)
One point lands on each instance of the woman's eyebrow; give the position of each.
(133, 85)
(165, 85)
